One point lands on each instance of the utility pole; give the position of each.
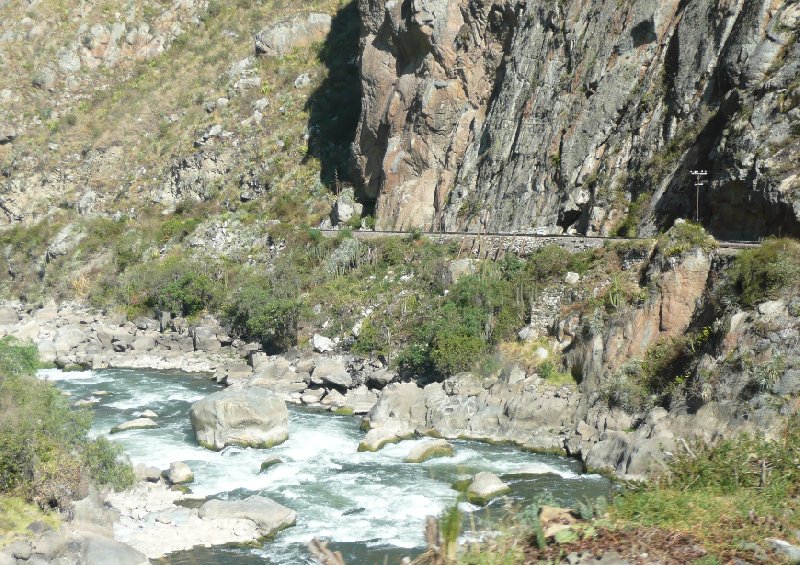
(698, 175)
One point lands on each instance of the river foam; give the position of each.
(367, 504)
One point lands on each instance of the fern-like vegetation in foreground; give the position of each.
(46, 457)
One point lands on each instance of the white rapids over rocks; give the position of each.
(366, 503)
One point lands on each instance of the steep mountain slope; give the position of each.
(581, 116)
(132, 111)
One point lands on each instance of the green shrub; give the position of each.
(260, 311)
(213, 10)
(453, 351)
(39, 436)
(742, 488)
(177, 229)
(314, 235)
(480, 311)
(636, 208)
(45, 454)
(100, 234)
(174, 285)
(769, 467)
(662, 361)
(17, 358)
(348, 255)
(108, 464)
(16, 515)
(354, 223)
(764, 272)
(459, 332)
(392, 251)
(625, 389)
(371, 340)
(188, 294)
(552, 262)
(684, 236)
(127, 250)
(549, 372)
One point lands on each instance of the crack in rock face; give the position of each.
(517, 116)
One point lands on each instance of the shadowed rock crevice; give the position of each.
(334, 106)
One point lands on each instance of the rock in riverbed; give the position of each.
(429, 450)
(153, 524)
(179, 473)
(268, 515)
(332, 372)
(137, 424)
(147, 473)
(254, 417)
(390, 433)
(270, 461)
(485, 487)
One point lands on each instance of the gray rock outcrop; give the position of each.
(147, 473)
(152, 522)
(179, 473)
(529, 412)
(299, 30)
(332, 372)
(98, 550)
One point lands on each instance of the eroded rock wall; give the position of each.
(428, 70)
(555, 115)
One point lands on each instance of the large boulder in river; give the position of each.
(137, 424)
(392, 432)
(268, 515)
(179, 473)
(253, 417)
(400, 402)
(429, 449)
(486, 486)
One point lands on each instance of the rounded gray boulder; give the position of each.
(254, 417)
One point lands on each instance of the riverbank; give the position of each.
(509, 406)
(73, 337)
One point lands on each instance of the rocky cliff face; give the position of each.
(568, 116)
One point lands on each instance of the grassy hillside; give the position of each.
(120, 131)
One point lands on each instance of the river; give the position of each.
(369, 505)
